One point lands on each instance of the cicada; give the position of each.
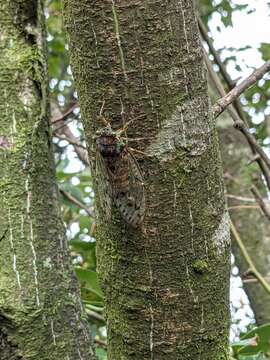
(119, 176)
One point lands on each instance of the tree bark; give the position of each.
(166, 284)
(40, 309)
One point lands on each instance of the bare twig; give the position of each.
(78, 147)
(215, 54)
(60, 130)
(254, 158)
(70, 141)
(264, 207)
(94, 315)
(239, 198)
(254, 280)
(222, 103)
(237, 207)
(100, 343)
(65, 115)
(230, 83)
(255, 148)
(76, 202)
(248, 259)
(240, 125)
(63, 124)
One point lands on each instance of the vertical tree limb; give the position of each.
(40, 310)
(162, 282)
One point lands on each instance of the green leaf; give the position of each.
(79, 245)
(259, 356)
(89, 281)
(98, 309)
(101, 353)
(265, 50)
(254, 342)
(84, 222)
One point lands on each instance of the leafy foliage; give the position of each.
(224, 8)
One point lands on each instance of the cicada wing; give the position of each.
(104, 189)
(132, 203)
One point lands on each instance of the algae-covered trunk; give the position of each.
(166, 282)
(40, 310)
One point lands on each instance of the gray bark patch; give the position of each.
(221, 236)
(187, 129)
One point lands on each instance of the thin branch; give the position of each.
(248, 259)
(240, 198)
(222, 103)
(215, 54)
(78, 147)
(262, 204)
(94, 315)
(240, 125)
(61, 129)
(219, 87)
(254, 158)
(100, 343)
(230, 83)
(254, 280)
(70, 141)
(76, 202)
(237, 207)
(65, 115)
(255, 148)
(63, 124)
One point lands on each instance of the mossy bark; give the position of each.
(251, 224)
(166, 285)
(40, 310)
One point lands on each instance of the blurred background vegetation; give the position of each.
(222, 20)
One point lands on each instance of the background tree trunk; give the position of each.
(251, 224)
(40, 309)
(166, 286)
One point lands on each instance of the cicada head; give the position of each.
(105, 131)
(108, 143)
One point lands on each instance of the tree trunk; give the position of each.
(166, 283)
(40, 310)
(251, 224)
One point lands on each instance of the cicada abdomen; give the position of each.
(121, 173)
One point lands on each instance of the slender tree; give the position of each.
(40, 310)
(166, 282)
(241, 172)
(251, 224)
